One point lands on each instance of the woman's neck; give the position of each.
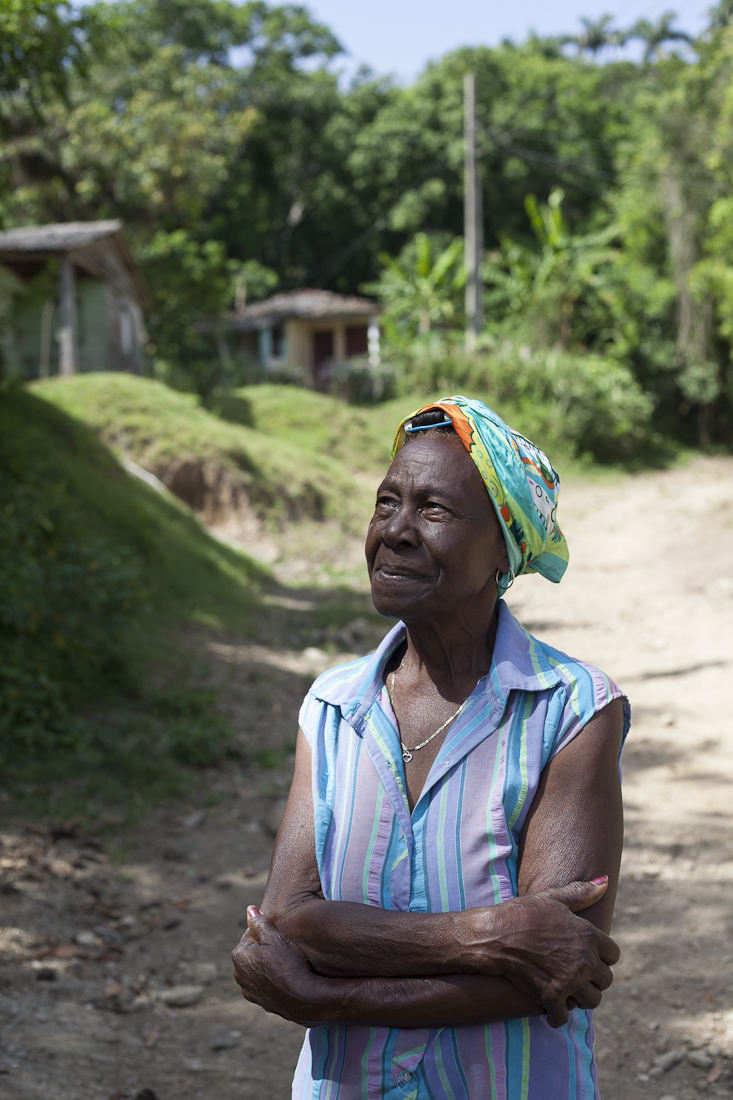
(454, 654)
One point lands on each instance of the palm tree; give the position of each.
(722, 15)
(656, 34)
(595, 35)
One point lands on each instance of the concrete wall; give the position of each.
(299, 341)
(299, 350)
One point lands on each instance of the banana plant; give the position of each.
(421, 292)
(569, 286)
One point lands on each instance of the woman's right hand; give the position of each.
(538, 944)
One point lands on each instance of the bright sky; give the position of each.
(400, 36)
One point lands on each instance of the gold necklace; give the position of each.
(407, 753)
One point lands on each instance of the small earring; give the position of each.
(504, 588)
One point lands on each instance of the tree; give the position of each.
(654, 35)
(154, 134)
(564, 294)
(596, 35)
(42, 43)
(39, 41)
(219, 133)
(209, 30)
(421, 291)
(273, 162)
(721, 15)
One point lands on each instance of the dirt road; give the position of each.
(115, 976)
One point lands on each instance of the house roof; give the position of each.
(64, 237)
(304, 305)
(99, 248)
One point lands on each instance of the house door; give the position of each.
(357, 341)
(322, 358)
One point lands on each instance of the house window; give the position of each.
(277, 349)
(356, 340)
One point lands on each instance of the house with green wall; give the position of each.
(80, 299)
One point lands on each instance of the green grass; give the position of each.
(357, 436)
(158, 427)
(103, 576)
(98, 575)
(187, 573)
(298, 455)
(360, 437)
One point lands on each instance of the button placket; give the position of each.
(407, 1084)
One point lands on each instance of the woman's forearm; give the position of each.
(345, 939)
(273, 973)
(513, 939)
(534, 941)
(441, 1001)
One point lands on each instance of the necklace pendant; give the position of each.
(407, 756)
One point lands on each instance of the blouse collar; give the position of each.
(518, 664)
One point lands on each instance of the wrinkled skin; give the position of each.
(433, 549)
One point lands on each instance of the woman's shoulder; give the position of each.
(339, 684)
(574, 672)
(583, 688)
(339, 692)
(530, 661)
(356, 683)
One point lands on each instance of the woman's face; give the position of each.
(434, 542)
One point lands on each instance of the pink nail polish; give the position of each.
(255, 910)
(599, 881)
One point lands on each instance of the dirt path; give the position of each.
(99, 957)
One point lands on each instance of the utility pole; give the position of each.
(473, 217)
(67, 309)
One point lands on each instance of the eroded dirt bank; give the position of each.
(99, 957)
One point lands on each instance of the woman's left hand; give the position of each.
(276, 975)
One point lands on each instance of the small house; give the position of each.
(312, 330)
(87, 315)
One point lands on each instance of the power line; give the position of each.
(334, 263)
(583, 168)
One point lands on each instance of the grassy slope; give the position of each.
(357, 438)
(362, 437)
(289, 446)
(287, 439)
(188, 573)
(156, 426)
(149, 712)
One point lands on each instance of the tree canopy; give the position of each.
(223, 137)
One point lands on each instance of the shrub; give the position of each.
(359, 383)
(64, 597)
(583, 405)
(97, 574)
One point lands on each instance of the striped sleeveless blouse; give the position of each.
(458, 849)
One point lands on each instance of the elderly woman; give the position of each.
(456, 804)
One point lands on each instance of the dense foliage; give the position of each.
(63, 598)
(92, 566)
(220, 134)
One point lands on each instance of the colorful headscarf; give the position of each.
(522, 485)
